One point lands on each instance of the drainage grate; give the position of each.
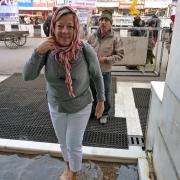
(141, 99)
(24, 115)
(135, 140)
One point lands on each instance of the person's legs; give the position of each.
(93, 90)
(150, 56)
(69, 129)
(107, 103)
(77, 123)
(107, 86)
(59, 121)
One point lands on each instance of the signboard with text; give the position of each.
(157, 4)
(60, 3)
(43, 3)
(128, 5)
(9, 11)
(83, 15)
(25, 3)
(83, 4)
(130, 1)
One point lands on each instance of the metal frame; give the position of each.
(143, 70)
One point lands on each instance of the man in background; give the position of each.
(168, 44)
(109, 50)
(47, 23)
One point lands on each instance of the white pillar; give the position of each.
(173, 73)
(163, 133)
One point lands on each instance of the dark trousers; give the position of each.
(107, 87)
(150, 56)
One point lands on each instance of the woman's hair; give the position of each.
(67, 55)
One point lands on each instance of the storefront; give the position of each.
(35, 8)
(160, 7)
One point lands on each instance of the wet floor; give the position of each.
(45, 167)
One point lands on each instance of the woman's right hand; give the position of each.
(46, 45)
(99, 109)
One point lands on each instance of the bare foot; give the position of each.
(65, 175)
(73, 176)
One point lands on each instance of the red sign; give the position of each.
(43, 3)
(128, 5)
(83, 4)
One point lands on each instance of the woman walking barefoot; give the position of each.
(69, 64)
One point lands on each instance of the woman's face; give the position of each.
(64, 30)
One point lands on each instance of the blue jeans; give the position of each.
(107, 87)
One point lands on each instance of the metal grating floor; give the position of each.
(16, 81)
(112, 135)
(24, 116)
(141, 99)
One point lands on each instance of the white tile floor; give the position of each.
(124, 107)
(3, 78)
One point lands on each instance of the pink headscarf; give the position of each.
(66, 56)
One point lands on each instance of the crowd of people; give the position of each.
(34, 20)
(152, 22)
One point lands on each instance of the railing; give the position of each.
(135, 47)
(137, 50)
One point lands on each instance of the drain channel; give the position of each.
(135, 140)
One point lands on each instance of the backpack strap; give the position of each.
(47, 55)
(85, 56)
(84, 53)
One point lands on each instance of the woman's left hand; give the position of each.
(99, 109)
